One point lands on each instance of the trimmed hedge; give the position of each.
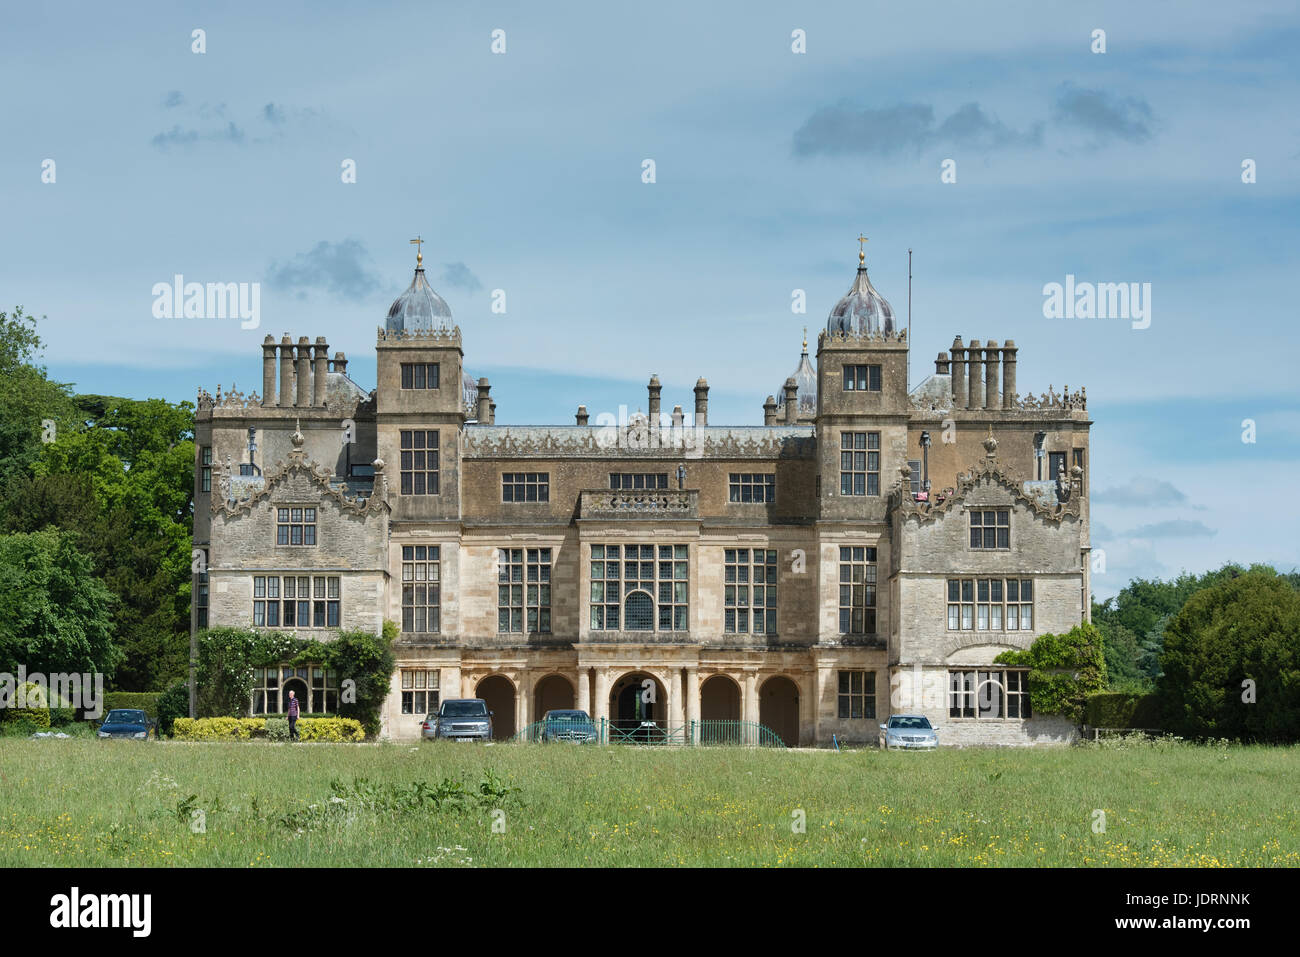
(333, 729)
(1111, 709)
(36, 715)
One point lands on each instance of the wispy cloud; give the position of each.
(173, 99)
(337, 268)
(1104, 116)
(1174, 528)
(905, 128)
(213, 123)
(459, 276)
(1141, 491)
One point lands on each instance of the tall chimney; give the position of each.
(340, 363)
(320, 366)
(582, 418)
(702, 402)
(992, 357)
(483, 410)
(655, 390)
(941, 364)
(302, 374)
(268, 370)
(975, 365)
(769, 411)
(791, 401)
(678, 417)
(1009, 374)
(958, 374)
(492, 414)
(286, 372)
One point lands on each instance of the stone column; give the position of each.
(268, 370)
(701, 402)
(975, 380)
(602, 694)
(523, 702)
(675, 703)
(807, 708)
(749, 708)
(1009, 374)
(449, 683)
(286, 372)
(958, 374)
(584, 690)
(992, 399)
(693, 697)
(821, 681)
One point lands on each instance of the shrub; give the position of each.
(1063, 670)
(1110, 709)
(36, 713)
(146, 701)
(329, 729)
(172, 704)
(277, 729)
(217, 729)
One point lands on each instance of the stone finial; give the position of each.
(991, 447)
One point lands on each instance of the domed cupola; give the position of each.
(419, 309)
(862, 311)
(805, 376)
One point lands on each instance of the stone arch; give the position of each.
(778, 708)
(499, 693)
(720, 710)
(553, 692)
(632, 701)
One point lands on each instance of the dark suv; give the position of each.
(460, 719)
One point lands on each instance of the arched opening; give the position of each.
(299, 688)
(778, 708)
(638, 706)
(553, 693)
(499, 694)
(719, 711)
(639, 612)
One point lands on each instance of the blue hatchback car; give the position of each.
(125, 723)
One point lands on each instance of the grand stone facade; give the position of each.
(869, 549)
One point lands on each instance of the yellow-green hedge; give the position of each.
(242, 729)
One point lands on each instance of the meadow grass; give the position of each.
(91, 803)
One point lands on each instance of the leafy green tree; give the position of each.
(1231, 661)
(1063, 670)
(27, 396)
(55, 615)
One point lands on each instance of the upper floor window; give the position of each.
(753, 487)
(297, 601)
(635, 480)
(201, 594)
(749, 591)
(862, 378)
(525, 486)
(859, 463)
(990, 528)
(857, 590)
(205, 469)
(631, 590)
(1055, 465)
(990, 604)
(421, 588)
(524, 590)
(419, 462)
(295, 526)
(419, 375)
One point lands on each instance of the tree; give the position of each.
(1231, 661)
(1063, 670)
(28, 399)
(55, 616)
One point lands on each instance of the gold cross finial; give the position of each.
(419, 254)
(805, 338)
(862, 256)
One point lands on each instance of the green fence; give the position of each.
(703, 733)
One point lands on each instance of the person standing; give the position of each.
(293, 717)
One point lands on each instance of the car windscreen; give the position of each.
(125, 717)
(568, 716)
(464, 709)
(911, 724)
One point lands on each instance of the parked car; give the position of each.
(575, 726)
(460, 719)
(910, 732)
(125, 723)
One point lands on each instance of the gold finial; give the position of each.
(419, 254)
(862, 256)
(805, 339)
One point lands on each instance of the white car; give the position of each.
(910, 732)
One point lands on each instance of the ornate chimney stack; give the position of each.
(492, 414)
(678, 417)
(791, 401)
(702, 402)
(483, 408)
(268, 370)
(582, 418)
(941, 364)
(769, 411)
(320, 368)
(1009, 374)
(992, 356)
(286, 372)
(655, 389)
(340, 363)
(975, 380)
(958, 374)
(302, 372)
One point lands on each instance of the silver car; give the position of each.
(460, 719)
(910, 732)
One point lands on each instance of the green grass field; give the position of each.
(91, 803)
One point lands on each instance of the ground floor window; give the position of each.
(419, 691)
(977, 693)
(857, 694)
(315, 686)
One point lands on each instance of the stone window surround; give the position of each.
(515, 487)
(321, 690)
(760, 485)
(428, 374)
(419, 686)
(300, 518)
(967, 696)
(962, 604)
(524, 590)
(324, 596)
(849, 692)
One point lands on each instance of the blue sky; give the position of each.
(523, 171)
